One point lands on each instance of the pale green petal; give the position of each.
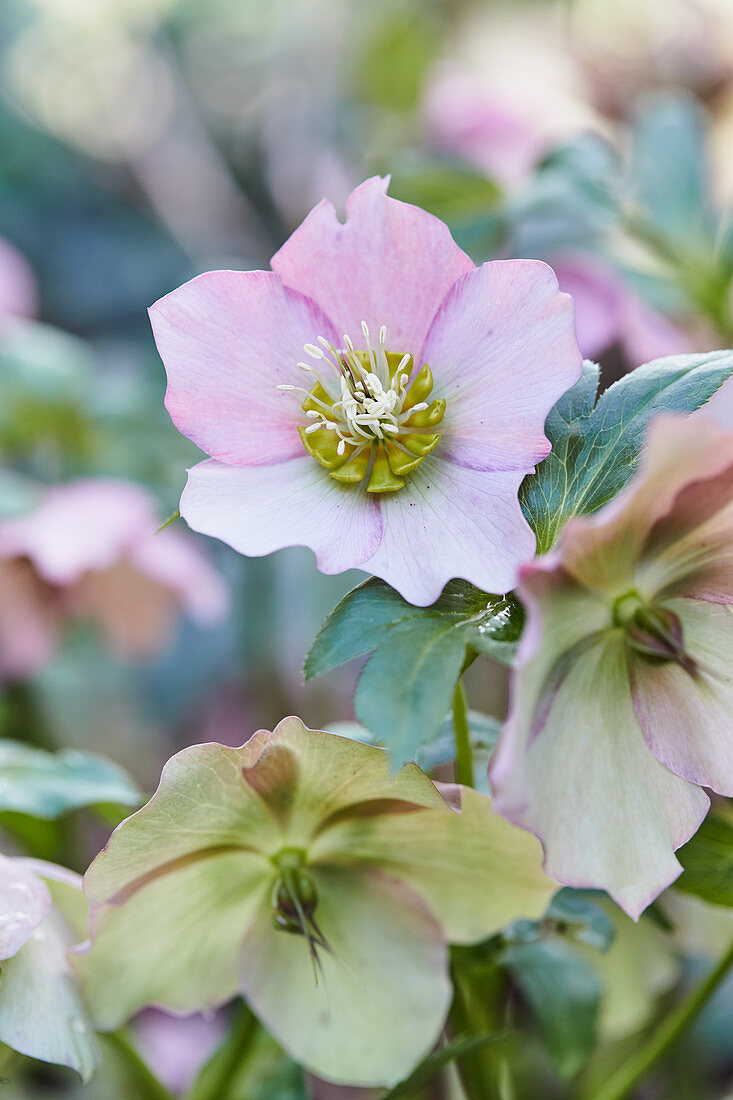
(202, 802)
(41, 1013)
(477, 872)
(176, 940)
(637, 969)
(382, 998)
(277, 789)
(609, 814)
(307, 776)
(699, 927)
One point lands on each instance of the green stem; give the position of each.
(146, 1084)
(636, 1068)
(462, 732)
(478, 987)
(215, 1079)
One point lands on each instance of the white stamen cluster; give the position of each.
(370, 401)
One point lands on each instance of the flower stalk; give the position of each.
(462, 734)
(632, 1072)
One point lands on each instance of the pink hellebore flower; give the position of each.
(89, 548)
(622, 706)
(608, 311)
(511, 93)
(399, 444)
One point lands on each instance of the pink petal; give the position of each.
(647, 334)
(691, 548)
(389, 264)
(502, 350)
(609, 815)
(259, 509)
(172, 558)
(447, 522)
(18, 287)
(598, 295)
(603, 551)
(720, 406)
(134, 613)
(177, 1046)
(687, 722)
(79, 526)
(228, 339)
(24, 902)
(486, 123)
(29, 621)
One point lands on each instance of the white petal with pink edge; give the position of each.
(448, 522)
(259, 509)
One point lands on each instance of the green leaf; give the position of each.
(248, 1062)
(484, 731)
(452, 192)
(708, 862)
(596, 445)
(668, 169)
(393, 57)
(45, 784)
(564, 994)
(418, 653)
(452, 1051)
(581, 918)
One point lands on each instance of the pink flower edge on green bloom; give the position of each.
(41, 1013)
(499, 340)
(605, 751)
(24, 901)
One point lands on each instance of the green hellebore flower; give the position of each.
(301, 873)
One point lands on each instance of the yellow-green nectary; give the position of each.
(380, 425)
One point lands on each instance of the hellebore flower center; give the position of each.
(368, 420)
(653, 630)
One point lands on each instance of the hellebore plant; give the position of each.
(623, 696)
(41, 1013)
(375, 397)
(89, 549)
(301, 873)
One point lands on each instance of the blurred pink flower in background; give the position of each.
(18, 290)
(89, 549)
(175, 1046)
(627, 47)
(608, 311)
(511, 92)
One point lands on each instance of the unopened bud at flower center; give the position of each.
(653, 630)
(369, 417)
(294, 895)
